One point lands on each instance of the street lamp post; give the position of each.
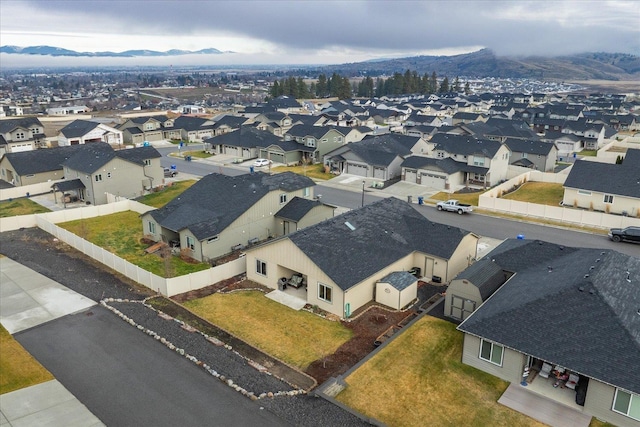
(362, 205)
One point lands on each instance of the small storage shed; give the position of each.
(472, 287)
(397, 289)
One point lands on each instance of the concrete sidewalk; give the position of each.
(28, 299)
(46, 404)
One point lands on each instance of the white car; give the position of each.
(261, 162)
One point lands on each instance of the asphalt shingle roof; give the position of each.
(383, 232)
(297, 208)
(582, 313)
(215, 201)
(400, 280)
(465, 145)
(622, 180)
(486, 275)
(247, 136)
(529, 146)
(96, 155)
(46, 160)
(78, 128)
(25, 122)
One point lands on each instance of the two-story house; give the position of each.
(23, 134)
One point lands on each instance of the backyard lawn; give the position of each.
(418, 379)
(168, 193)
(543, 193)
(20, 207)
(272, 327)
(120, 233)
(18, 369)
(312, 171)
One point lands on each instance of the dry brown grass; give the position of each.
(18, 369)
(419, 380)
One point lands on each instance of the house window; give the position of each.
(478, 161)
(152, 227)
(108, 174)
(147, 162)
(440, 154)
(608, 198)
(149, 126)
(584, 192)
(191, 243)
(325, 293)
(261, 267)
(305, 191)
(627, 404)
(326, 139)
(98, 177)
(283, 198)
(20, 135)
(491, 352)
(524, 155)
(311, 142)
(213, 239)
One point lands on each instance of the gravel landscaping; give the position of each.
(41, 252)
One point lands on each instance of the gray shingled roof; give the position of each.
(529, 146)
(486, 275)
(72, 184)
(24, 122)
(583, 314)
(447, 165)
(46, 160)
(384, 232)
(621, 180)
(400, 280)
(78, 128)
(297, 208)
(247, 136)
(215, 201)
(96, 155)
(465, 145)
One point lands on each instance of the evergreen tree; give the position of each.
(275, 90)
(467, 89)
(433, 83)
(322, 88)
(456, 85)
(444, 86)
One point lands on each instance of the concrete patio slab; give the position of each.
(286, 299)
(542, 409)
(30, 299)
(46, 404)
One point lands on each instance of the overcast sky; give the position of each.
(324, 32)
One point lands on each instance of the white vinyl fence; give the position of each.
(491, 200)
(26, 190)
(168, 287)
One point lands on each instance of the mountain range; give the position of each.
(57, 51)
(482, 63)
(485, 63)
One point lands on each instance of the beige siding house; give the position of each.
(221, 214)
(564, 311)
(343, 259)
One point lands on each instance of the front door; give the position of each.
(428, 268)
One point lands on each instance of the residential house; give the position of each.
(32, 167)
(567, 309)
(376, 156)
(461, 118)
(343, 259)
(85, 132)
(323, 138)
(23, 134)
(490, 159)
(536, 155)
(243, 143)
(67, 111)
(136, 130)
(592, 134)
(568, 144)
(99, 170)
(227, 123)
(220, 213)
(604, 187)
(194, 128)
(276, 122)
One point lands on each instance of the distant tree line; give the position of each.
(340, 87)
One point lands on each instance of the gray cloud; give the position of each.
(508, 27)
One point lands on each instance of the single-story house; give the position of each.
(85, 132)
(611, 188)
(243, 143)
(570, 310)
(220, 213)
(343, 258)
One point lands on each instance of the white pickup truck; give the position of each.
(454, 206)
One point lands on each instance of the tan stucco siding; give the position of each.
(594, 200)
(122, 178)
(316, 215)
(599, 403)
(512, 366)
(462, 257)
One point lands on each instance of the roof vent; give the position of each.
(586, 276)
(591, 268)
(561, 248)
(549, 268)
(598, 260)
(592, 291)
(628, 279)
(581, 288)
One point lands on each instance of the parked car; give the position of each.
(454, 206)
(170, 173)
(629, 234)
(261, 162)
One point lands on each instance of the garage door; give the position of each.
(379, 173)
(357, 169)
(433, 181)
(410, 176)
(276, 157)
(232, 151)
(153, 136)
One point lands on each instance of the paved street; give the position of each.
(128, 379)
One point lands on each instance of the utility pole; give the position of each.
(362, 205)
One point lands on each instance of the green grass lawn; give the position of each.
(168, 193)
(419, 380)
(20, 207)
(18, 369)
(469, 198)
(120, 233)
(542, 193)
(199, 154)
(312, 171)
(272, 327)
(590, 153)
